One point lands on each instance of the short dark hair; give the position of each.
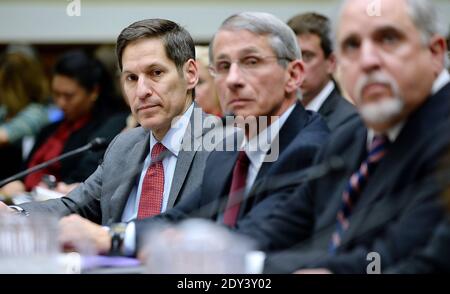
(178, 43)
(313, 23)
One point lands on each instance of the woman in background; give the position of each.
(24, 93)
(83, 90)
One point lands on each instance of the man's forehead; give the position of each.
(144, 45)
(362, 16)
(222, 48)
(146, 51)
(374, 8)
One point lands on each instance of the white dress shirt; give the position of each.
(256, 154)
(172, 141)
(318, 101)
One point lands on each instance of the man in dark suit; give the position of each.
(159, 73)
(433, 259)
(319, 92)
(257, 69)
(385, 205)
(435, 256)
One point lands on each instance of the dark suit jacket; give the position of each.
(336, 110)
(301, 136)
(102, 197)
(434, 258)
(397, 211)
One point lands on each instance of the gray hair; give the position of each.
(424, 15)
(281, 38)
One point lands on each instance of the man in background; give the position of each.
(319, 91)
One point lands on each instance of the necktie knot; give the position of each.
(377, 148)
(157, 149)
(379, 141)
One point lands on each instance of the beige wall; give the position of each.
(101, 21)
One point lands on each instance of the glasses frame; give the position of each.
(242, 66)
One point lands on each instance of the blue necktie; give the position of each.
(356, 184)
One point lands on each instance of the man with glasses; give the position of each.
(257, 67)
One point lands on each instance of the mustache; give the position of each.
(376, 78)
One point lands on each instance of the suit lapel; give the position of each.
(330, 103)
(435, 110)
(182, 168)
(191, 143)
(134, 164)
(290, 129)
(219, 181)
(417, 126)
(356, 146)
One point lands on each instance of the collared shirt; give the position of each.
(256, 149)
(392, 133)
(172, 141)
(256, 156)
(318, 101)
(442, 80)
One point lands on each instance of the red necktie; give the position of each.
(237, 190)
(153, 185)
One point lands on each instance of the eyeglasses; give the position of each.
(246, 64)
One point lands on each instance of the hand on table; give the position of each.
(79, 234)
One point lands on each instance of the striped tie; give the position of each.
(354, 187)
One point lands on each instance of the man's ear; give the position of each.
(438, 49)
(331, 63)
(191, 73)
(295, 76)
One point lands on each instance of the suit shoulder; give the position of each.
(346, 132)
(315, 126)
(130, 137)
(344, 104)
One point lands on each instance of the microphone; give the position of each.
(278, 182)
(95, 145)
(333, 164)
